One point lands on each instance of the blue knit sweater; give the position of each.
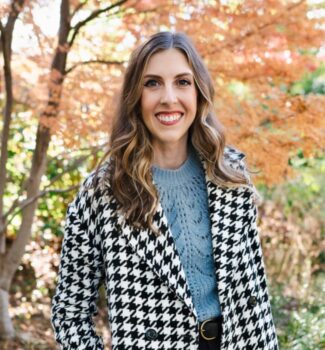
(183, 196)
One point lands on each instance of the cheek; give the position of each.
(146, 110)
(191, 95)
(147, 102)
(193, 100)
(142, 102)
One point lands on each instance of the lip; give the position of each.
(169, 112)
(172, 122)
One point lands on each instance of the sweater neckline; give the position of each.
(180, 176)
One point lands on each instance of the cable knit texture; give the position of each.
(183, 196)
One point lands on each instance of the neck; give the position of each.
(170, 156)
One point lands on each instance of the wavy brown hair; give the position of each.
(131, 153)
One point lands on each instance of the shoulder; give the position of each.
(99, 177)
(232, 153)
(94, 187)
(235, 158)
(232, 158)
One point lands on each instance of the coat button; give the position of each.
(252, 301)
(151, 334)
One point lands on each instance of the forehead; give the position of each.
(168, 62)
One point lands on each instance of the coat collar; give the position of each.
(160, 252)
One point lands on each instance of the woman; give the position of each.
(168, 222)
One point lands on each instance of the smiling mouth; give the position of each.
(169, 118)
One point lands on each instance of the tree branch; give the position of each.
(98, 61)
(6, 46)
(263, 26)
(92, 16)
(81, 5)
(31, 200)
(18, 205)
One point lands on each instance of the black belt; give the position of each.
(211, 329)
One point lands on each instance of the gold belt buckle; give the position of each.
(202, 330)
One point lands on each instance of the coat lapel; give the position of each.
(227, 213)
(160, 253)
(229, 217)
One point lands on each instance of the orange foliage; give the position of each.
(257, 43)
(260, 45)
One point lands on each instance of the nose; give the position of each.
(168, 95)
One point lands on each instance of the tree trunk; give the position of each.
(6, 48)
(10, 261)
(6, 327)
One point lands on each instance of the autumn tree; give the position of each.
(256, 51)
(10, 256)
(6, 43)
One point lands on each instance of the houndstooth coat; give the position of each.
(149, 301)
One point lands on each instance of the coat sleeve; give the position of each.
(256, 247)
(259, 265)
(254, 233)
(80, 274)
(236, 160)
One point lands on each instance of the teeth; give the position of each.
(169, 117)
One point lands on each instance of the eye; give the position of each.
(151, 82)
(184, 82)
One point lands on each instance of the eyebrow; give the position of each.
(159, 77)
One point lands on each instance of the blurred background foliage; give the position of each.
(311, 83)
(293, 232)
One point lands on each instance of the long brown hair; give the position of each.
(131, 153)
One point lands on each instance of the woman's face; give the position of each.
(169, 98)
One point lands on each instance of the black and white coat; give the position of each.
(149, 301)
